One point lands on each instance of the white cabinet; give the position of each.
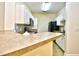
(14, 13)
(21, 14)
(61, 17)
(59, 20)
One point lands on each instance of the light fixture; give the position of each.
(45, 6)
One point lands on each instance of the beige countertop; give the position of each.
(11, 41)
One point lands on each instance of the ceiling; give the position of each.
(36, 6)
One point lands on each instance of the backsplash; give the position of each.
(22, 28)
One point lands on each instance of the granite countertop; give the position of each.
(11, 41)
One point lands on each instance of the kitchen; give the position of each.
(20, 20)
(28, 30)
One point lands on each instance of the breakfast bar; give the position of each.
(15, 44)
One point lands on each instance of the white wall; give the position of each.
(72, 29)
(9, 15)
(43, 19)
(2, 4)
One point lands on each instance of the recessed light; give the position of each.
(45, 6)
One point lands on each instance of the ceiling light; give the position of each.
(45, 6)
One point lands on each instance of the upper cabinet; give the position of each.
(59, 20)
(61, 17)
(23, 14)
(15, 13)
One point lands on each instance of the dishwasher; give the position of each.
(61, 42)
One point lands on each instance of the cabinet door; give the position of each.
(26, 15)
(59, 19)
(20, 13)
(44, 50)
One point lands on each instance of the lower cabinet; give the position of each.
(40, 49)
(44, 50)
